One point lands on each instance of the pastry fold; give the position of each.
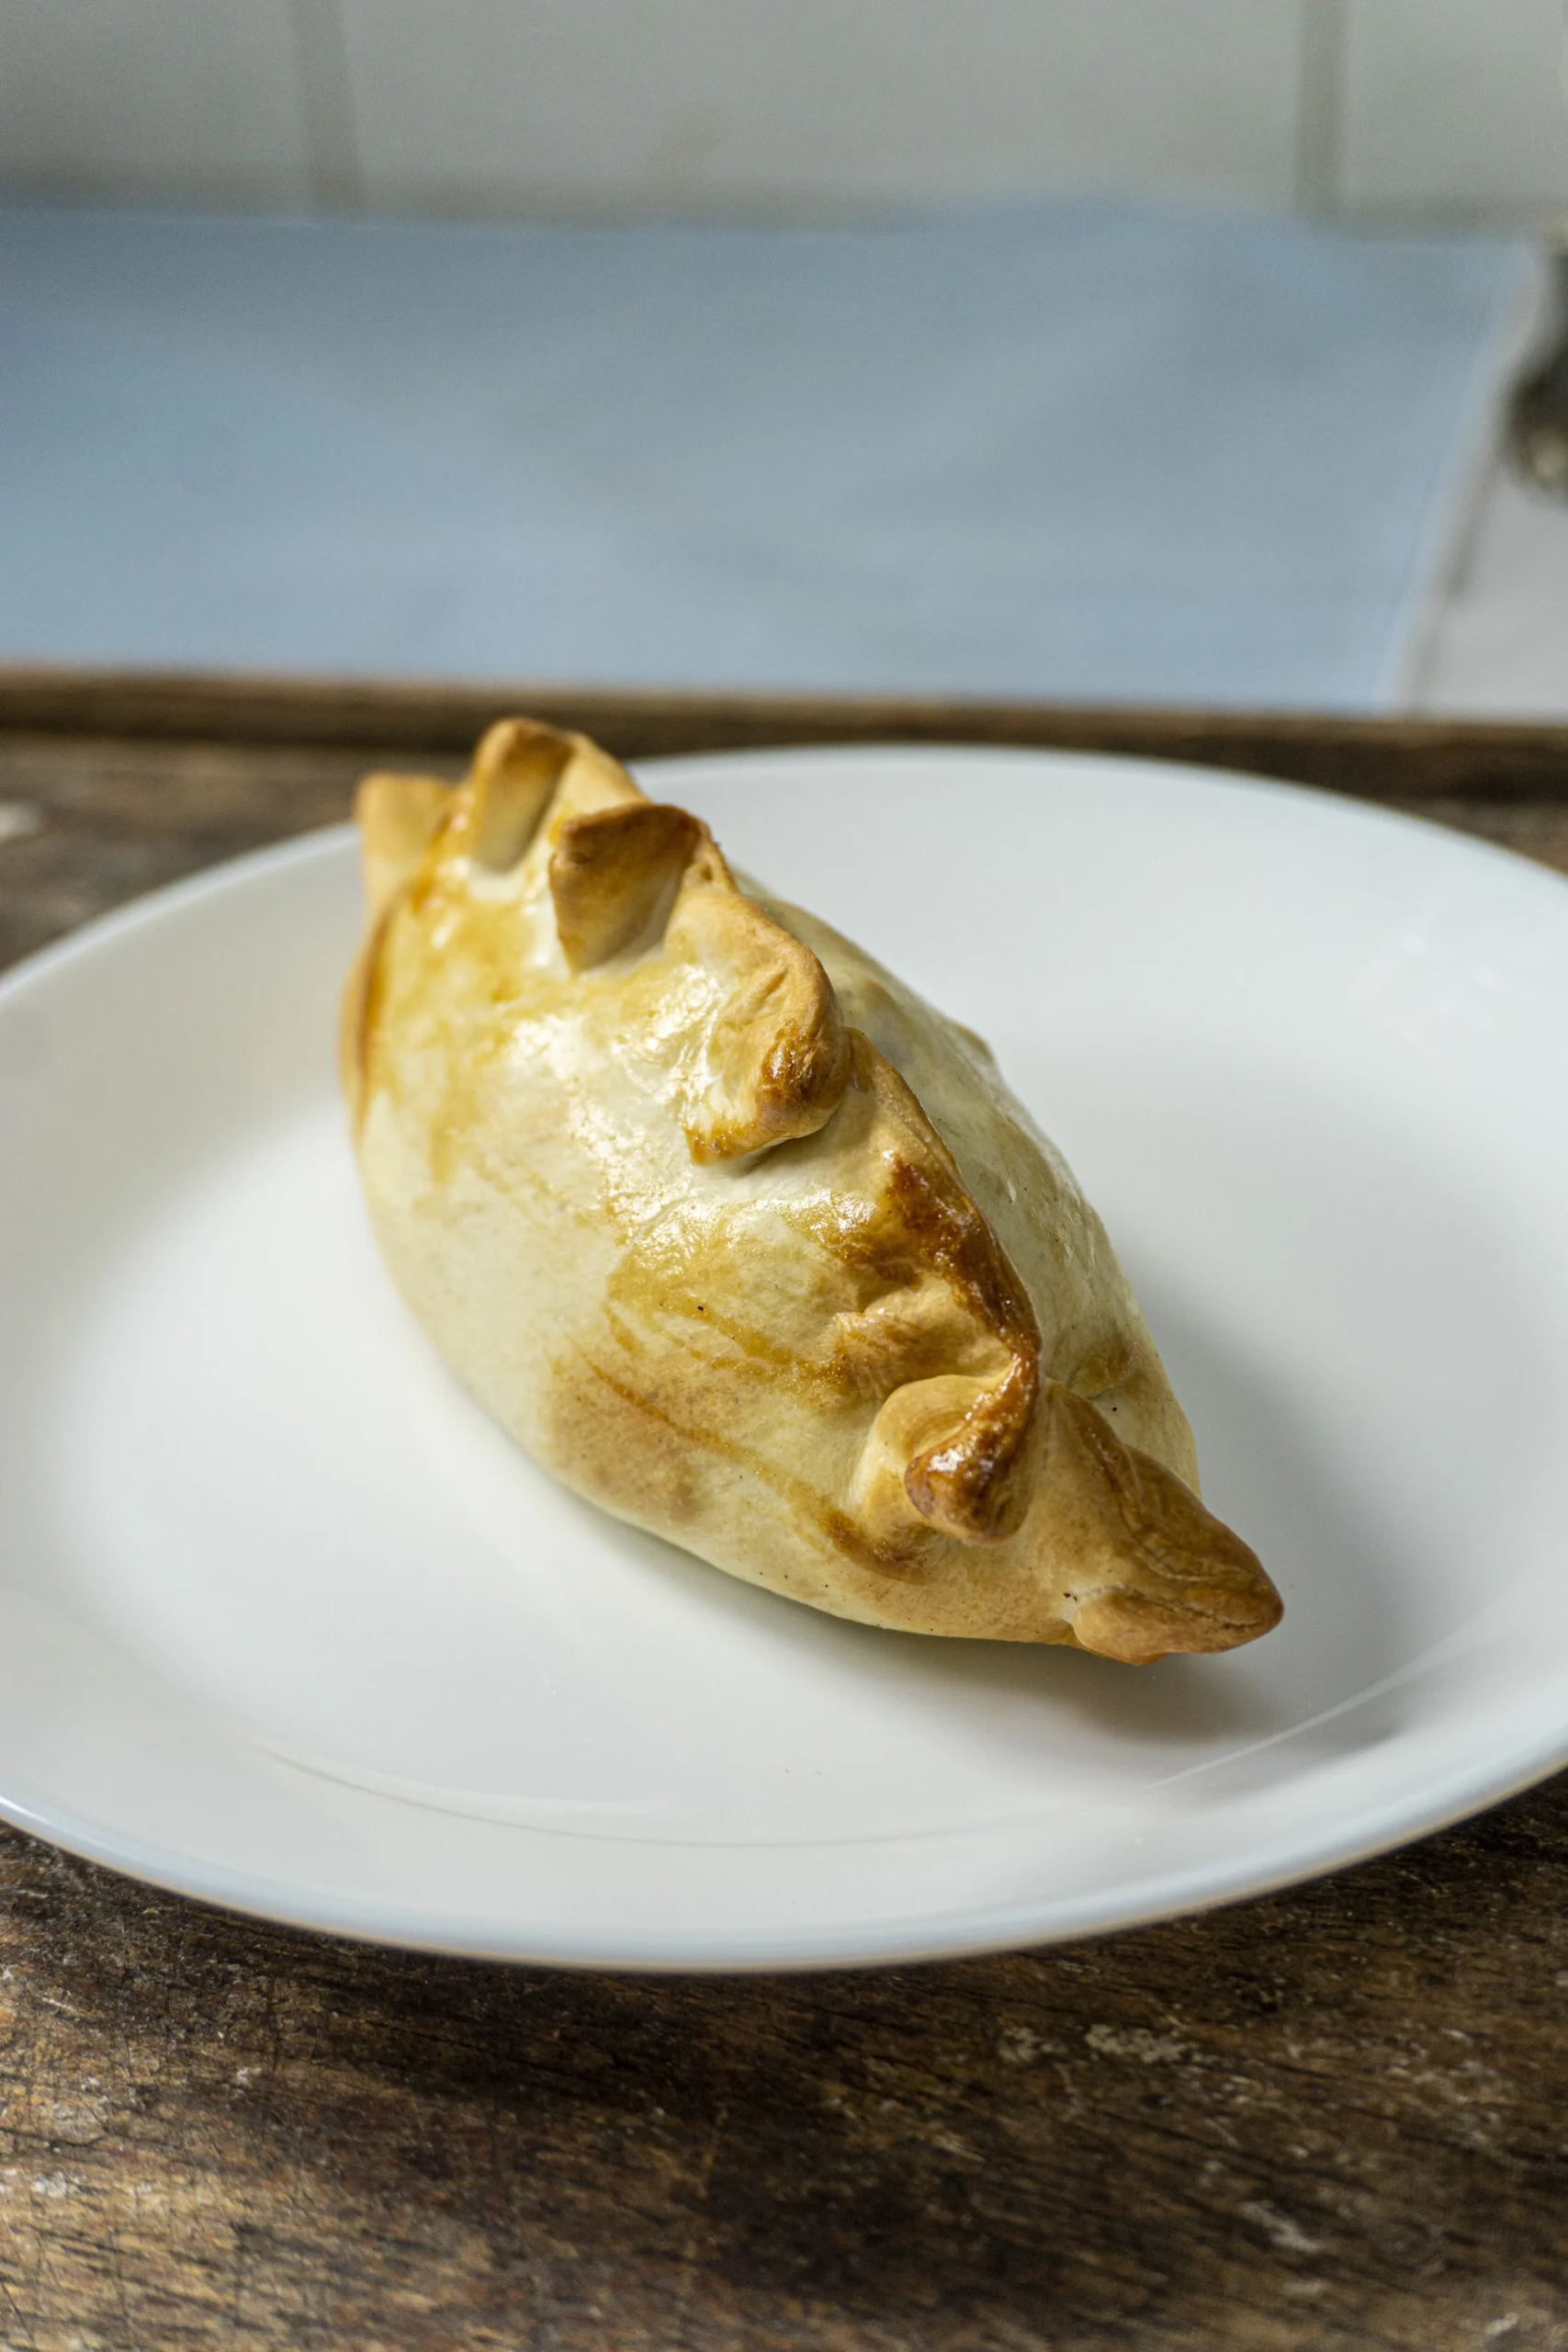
(744, 1241)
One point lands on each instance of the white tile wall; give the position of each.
(1454, 107)
(1441, 109)
(1499, 644)
(153, 98)
(813, 102)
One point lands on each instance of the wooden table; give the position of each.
(1334, 2119)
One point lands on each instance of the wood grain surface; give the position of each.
(1334, 2119)
(1380, 757)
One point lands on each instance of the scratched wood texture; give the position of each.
(1336, 2118)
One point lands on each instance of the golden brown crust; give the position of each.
(777, 1058)
(825, 1310)
(512, 783)
(1156, 1571)
(398, 817)
(613, 874)
(958, 1439)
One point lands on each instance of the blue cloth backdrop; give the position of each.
(1079, 450)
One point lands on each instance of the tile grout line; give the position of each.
(1319, 139)
(326, 91)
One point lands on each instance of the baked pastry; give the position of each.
(744, 1241)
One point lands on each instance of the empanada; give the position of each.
(745, 1242)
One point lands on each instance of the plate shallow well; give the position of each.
(287, 1623)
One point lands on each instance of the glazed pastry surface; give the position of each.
(744, 1241)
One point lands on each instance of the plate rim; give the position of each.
(912, 1939)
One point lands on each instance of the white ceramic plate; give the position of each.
(287, 1625)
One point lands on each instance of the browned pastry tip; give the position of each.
(613, 874)
(1154, 1570)
(778, 1055)
(398, 817)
